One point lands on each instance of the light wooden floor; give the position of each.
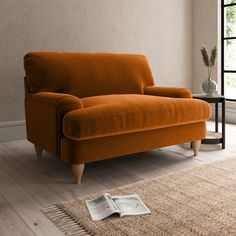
(28, 185)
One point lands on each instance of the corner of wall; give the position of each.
(205, 31)
(219, 44)
(192, 43)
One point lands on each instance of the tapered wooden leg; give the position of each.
(196, 147)
(78, 171)
(39, 151)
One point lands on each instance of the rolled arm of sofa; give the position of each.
(175, 92)
(44, 112)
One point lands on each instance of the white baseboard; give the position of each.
(230, 114)
(12, 130)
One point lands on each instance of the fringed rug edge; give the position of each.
(64, 222)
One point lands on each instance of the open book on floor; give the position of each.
(106, 205)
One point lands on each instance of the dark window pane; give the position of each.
(230, 85)
(230, 54)
(230, 21)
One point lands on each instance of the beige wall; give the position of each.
(206, 23)
(205, 32)
(158, 28)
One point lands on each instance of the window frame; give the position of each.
(223, 39)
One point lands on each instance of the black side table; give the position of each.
(214, 137)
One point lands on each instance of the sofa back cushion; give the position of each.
(87, 74)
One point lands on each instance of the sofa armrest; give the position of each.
(44, 112)
(175, 92)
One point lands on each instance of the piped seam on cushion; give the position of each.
(122, 113)
(125, 131)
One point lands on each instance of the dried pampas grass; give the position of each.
(209, 61)
(213, 56)
(205, 56)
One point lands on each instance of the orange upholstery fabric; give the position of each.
(85, 107)
(119, 114)
(44, 112)
(87, 74)
(168, 92)
(85, 151)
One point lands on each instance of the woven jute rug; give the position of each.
(200, 201)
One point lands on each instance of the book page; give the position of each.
(130, 205)
(101, 207)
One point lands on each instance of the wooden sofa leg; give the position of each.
(39, 151)
(78, 171)
(196, 147)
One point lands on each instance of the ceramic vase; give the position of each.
(209, 87)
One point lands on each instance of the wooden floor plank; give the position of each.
(26, 206)
(30, 178)
(10, 222)
(57, 175)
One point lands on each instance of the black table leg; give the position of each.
(223, 124)
(219, 138)
(216, 117)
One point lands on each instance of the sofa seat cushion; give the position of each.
(119, 114)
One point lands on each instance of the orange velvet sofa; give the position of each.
(85, 107)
